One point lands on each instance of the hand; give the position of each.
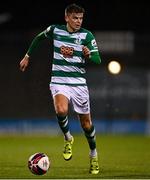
(24, 63)
(86, 52)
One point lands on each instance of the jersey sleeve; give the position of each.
(40, 37)
(35, 43)
(49, 31)
(92, 45)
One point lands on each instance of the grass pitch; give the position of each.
(120, 157)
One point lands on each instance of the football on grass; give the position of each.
(38, 163)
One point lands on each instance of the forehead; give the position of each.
(78, 15)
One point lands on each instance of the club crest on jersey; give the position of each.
(78, 41)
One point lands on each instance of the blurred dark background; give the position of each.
(100, 15)
(122, 31)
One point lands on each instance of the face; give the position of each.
(74, 21)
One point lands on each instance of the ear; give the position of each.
(66, 18)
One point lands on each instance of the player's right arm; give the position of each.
(35, 43)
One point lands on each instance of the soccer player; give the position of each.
(73, 45)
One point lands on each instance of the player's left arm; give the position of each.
(91, 51)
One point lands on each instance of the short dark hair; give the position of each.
(74, 8)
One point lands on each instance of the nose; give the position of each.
(79, 20)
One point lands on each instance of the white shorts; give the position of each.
(78, 96)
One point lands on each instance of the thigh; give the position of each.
(61, 104)
(60, 89)
(80, 100)
(60, 98)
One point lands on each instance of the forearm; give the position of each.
(95, 57)
(35, 43)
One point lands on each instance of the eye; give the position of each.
(75, 17)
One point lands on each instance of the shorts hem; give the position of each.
(82, 112)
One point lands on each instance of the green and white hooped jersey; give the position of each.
(68, 66)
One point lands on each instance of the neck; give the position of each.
(70, 29)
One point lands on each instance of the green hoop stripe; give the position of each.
(67, 74)
(69, 84)
(67, 39)
(62, 62)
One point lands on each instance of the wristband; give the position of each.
(27, 56)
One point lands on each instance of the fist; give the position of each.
(86, 52)
(24, 63)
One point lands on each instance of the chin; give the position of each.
(77, 28)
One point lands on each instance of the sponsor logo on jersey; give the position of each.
(93, 43)
(67, 51)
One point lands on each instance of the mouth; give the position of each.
(78, 26)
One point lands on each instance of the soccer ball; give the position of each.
(38, 163)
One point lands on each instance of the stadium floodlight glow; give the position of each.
(114, 67)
